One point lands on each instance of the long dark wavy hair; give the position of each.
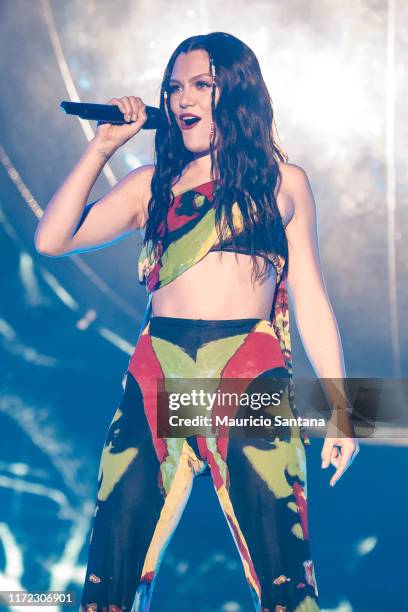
(247, 149)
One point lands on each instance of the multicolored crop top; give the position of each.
(191, 235)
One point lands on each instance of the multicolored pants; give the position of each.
(145, 480)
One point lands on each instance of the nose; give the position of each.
(186, 98)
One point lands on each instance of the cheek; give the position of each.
(207, 108)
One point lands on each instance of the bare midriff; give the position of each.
(217, 287)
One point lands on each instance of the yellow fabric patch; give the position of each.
(266, 328)
(298, 531)
(228, 510)
(172, 510)
(113, 466)
(271, 464)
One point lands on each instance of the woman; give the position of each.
(223, 215)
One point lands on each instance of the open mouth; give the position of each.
(189, 121)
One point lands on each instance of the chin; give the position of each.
(197, 148)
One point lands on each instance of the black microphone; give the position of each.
(109, 113)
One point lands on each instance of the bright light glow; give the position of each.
(367, 545)
(132, 161)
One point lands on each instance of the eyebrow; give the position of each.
(192, 78)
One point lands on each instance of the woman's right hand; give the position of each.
(111, 136)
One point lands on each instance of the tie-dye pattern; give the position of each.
(145, 481)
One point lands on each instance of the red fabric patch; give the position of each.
(298, 492)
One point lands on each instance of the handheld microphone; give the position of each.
(109, 113)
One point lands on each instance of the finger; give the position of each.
(348, 454)
(135, 107)
(118, 103)
(344, 464)
(142, 116)
(128, 107)
(141, 111)
(354, 455)
(335, 457)
(327, 451)
(139, 115)
(354, 450)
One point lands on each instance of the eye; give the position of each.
(172, 88)
(203, 84)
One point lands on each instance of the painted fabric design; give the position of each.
(191, 235)
(145, 481)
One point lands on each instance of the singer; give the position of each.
(228, 226)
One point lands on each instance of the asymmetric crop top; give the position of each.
(191, 235)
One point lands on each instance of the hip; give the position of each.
(178, 347)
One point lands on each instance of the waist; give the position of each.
(183, 321)
(192, 301)
(212, 290)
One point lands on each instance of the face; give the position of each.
(190, 89)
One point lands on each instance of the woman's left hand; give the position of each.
(340, 459)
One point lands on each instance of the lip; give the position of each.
(188, 127)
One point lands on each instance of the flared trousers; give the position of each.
(145, 478)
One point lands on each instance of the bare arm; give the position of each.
(68, 226)
(313, 311)
(316, 320)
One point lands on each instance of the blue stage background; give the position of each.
(68, 325)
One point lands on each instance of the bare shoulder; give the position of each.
(286, 187)
(292, 176)
(296, 186)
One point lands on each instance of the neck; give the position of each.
(201, 163)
